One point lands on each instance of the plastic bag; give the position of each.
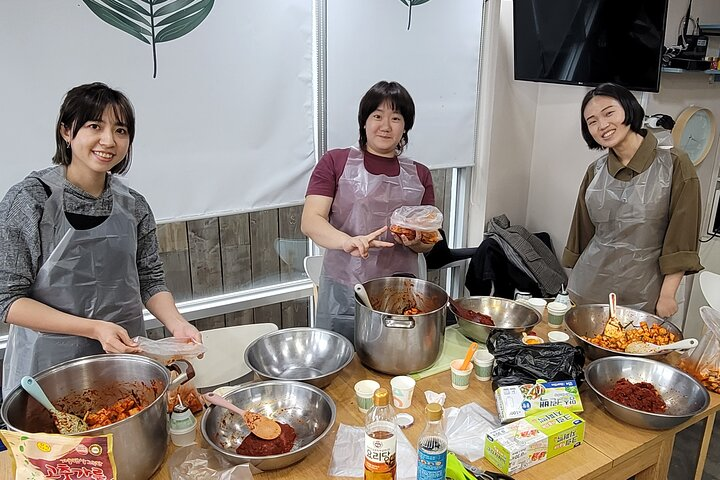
(195, 463)
(425, 219)
(166, 351)
(466, 427)
(48, 456)
(518, 364)
(703, 362)
(349, 452)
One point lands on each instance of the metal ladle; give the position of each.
(66, 423)
(262, 426)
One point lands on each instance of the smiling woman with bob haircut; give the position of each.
(636, 224)
(80, 254)
(350, 197)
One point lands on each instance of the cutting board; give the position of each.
(455, 346)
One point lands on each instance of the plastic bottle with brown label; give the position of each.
(380, 439)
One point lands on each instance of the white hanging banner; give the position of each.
(431, 47)
(222, 92)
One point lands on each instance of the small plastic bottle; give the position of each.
(432, 446)
(563, 296)
(380, 439)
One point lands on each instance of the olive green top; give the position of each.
(680, 247)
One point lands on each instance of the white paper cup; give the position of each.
(402, 391)
(538, 304)
(460, 378)
(483, 362)
(364, 390)
(555, 336)
(556, 314)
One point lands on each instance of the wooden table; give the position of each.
(612, 450)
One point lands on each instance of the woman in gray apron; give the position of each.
(636, 225)
(350, 198)
(80, 255)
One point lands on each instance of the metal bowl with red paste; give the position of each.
(640, 396)
(254, 446)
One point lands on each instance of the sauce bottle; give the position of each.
(380, 439)
(432, 446)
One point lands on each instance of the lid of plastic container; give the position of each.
(404, 420)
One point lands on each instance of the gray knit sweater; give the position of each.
(21, 253)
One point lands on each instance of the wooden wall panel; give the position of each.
(268, 314)
(210, 323)
(265, 261)
(235, 252)
(291, 245)
(295, 313)
(243, 317)
(205, 264)
(175, 255)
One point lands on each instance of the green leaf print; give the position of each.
(410, 4)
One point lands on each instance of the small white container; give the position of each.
(183, 437)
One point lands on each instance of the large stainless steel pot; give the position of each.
(397, 344)
(91, 383)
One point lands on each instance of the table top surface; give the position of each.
(607, 441)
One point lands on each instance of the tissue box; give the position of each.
(519, 401)
(534, 439)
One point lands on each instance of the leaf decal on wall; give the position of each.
(152, 25)
(410, 4)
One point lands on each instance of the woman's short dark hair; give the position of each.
(634, 113)
(398, 98)
(88, 102)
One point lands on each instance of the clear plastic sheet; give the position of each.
(466, 428)
(195, 463)
(168, 349)
(703, 362)
(349, 451)
(424, 218)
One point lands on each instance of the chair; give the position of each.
(313, 267)
(710, 288)
(224, 361)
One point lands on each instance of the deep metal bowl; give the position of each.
(508, 315)
(309, 410)
(310, 355)
(684, 396)
(589, 320)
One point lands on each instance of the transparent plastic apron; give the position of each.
(630, 220)
(363, 203)
(89, 273)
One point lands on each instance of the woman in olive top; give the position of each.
(636, 224)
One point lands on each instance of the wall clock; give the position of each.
(694, 132)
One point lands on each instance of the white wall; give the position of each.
(536, 156)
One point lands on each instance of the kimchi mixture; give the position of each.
(640, 396)
(119, 410)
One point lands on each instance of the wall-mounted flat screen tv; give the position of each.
(589, 42)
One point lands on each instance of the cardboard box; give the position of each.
(534, 439)
(519, 401)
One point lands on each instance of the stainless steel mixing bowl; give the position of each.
(309, 410)
(310, 355)
(683, 395)
(508, 315)
(589, 320)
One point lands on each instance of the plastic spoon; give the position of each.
(66, 423)
(468, 356)
(262, 426)
(360, 290)
(645, 347)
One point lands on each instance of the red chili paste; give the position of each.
(640, 396)
(254, 446)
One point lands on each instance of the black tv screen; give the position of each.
(589, 42)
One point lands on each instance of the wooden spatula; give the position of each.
(262, 426)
